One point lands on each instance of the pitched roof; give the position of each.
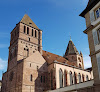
(90, 5)
(50, 58)
(27, 20)
(71, 49)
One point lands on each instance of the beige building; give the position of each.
(31, 69)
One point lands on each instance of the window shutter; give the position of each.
(92, 17)
(95, 37)
(98, 63)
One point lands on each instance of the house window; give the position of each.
(75, 78)
(31, 77)
(32, 32)
(28, 39)
(71, 78)
(61, 78)
(24, 29)
(41, 79)
(35, 33)
(98, 34)
(27, 30)
(79, 78)
(98, 62)
(97, 12)
(96, 37)
(87, 78)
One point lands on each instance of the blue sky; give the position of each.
(57, 18)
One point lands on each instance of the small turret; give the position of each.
(81, 54)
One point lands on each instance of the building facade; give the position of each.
(92, 17)
(31, 69)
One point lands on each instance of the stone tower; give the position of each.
(27, 70)
(92, 17)
(26, 38)
(73, 55)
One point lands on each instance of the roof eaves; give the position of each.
(89, 8)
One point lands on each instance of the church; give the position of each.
(31, 69)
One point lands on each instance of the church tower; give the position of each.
(26, 38)
(92, 17)
(73, 55)
(27, 70)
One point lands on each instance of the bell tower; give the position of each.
(73, 55)
(26, 38)
(92, 17)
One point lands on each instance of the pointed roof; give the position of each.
(71, 49)
(81, 53)
(27, 20)
(90, 5)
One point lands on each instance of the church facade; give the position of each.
(31, 69)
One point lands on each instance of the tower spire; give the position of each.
(70, 38)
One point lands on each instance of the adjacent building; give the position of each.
(92, 17)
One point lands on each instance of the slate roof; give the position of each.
(27, 20)
(90, 5)
(50, 58)
(71, 49)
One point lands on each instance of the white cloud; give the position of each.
(87, 61)
(3, 64)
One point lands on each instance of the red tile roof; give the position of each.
(50, 58)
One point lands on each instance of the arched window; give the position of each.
(24, 29)
(35, 33)
(75, 78)
(65, 78)
(87, 78)
(71, 78)
(61, 78)
(32, 32)
(26, 52)
(27, 30)
(79, 78)
(31, 77)
(83, 77)
(51, 79)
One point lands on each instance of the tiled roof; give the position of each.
(50, 58)
(27, 20)
(71, 49)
